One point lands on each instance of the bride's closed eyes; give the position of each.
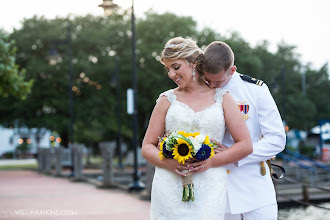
(175, 67)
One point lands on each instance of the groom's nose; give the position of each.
(212, 85)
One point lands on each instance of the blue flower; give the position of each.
(167, 152)
(204, 152)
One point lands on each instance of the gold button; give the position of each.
(228, 171)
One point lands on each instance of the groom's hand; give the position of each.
(220, 147)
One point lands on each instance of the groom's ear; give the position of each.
(232, 70)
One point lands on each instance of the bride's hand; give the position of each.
(200, 166)
(175, 167)
(190, 160)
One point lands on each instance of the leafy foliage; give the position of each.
(97, 41)
(12, 80)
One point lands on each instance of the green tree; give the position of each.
(12, 80)
(96, 41)
(318, 90)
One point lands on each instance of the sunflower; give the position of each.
(182, 150)
(207, 140)
(188, 134)
(205, 152)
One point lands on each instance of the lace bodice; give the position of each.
(210, 121)
(210, 185)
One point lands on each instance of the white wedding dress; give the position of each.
(210, 185)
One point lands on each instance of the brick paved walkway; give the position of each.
(30, 195)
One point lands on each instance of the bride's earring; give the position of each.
(194, 78)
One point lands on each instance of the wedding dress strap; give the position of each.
(169, 94)
(219, 93)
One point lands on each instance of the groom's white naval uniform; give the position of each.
(248, 189)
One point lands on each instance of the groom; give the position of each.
(251, 194)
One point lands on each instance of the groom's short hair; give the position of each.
(218, 57)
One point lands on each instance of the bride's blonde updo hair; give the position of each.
(180, 48)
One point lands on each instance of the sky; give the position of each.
(302, 23)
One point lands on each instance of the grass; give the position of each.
(94, 159)
(21, 166)
(97, 160)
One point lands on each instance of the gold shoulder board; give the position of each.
(251, 80)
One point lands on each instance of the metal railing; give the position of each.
(66, 157)
(305, 158)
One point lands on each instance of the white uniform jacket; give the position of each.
(247, 188)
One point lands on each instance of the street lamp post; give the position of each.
(53, 59)
(69, 43)
(136, 184)
(109, 7)
(116, 84)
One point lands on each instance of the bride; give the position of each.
(192, 107)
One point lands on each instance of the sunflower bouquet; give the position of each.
(183, 146)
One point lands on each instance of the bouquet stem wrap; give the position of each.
(188, 188)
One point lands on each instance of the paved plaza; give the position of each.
(26, 194)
